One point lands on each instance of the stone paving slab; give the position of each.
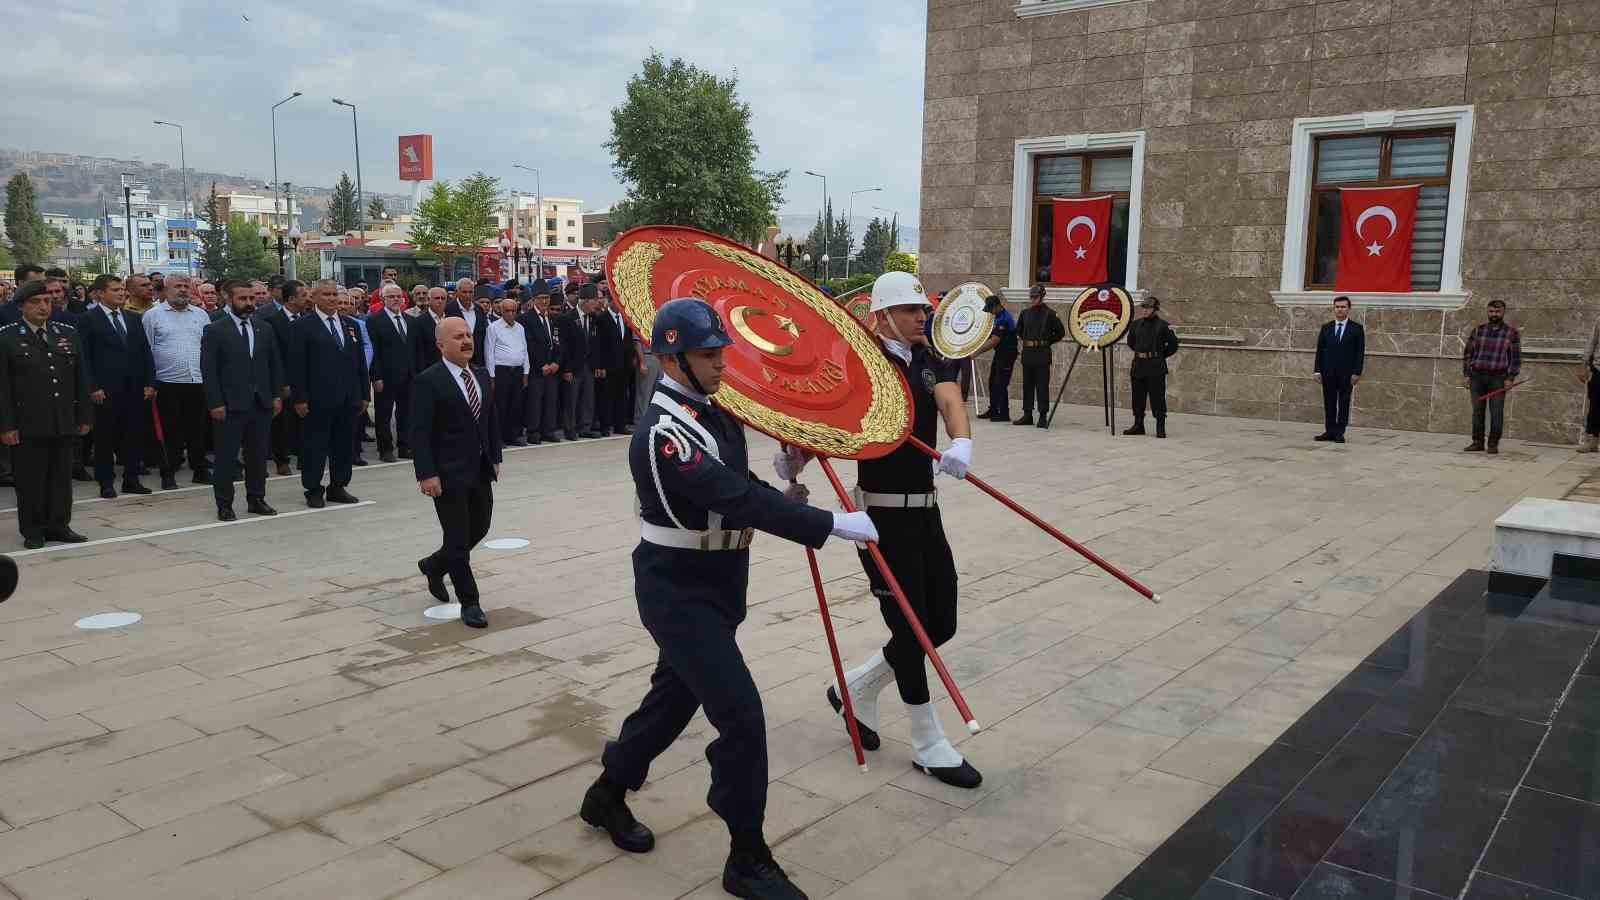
(285, 723)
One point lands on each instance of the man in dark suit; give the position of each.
(611, 405)
(577, 375)
(285, 429)
(456, 438)
(241, 372)
(122, 382)
(327, 383)
(464, 306)
(1341, 352)
(390, 331)
(543, 397)
(424, 348)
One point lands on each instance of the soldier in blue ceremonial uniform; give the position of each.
(700, 507)
(897, 491)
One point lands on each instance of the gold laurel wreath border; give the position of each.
(964, 350)
(1110, 337)
(885, 415)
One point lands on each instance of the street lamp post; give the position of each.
(127, 211)
(538, 218)
(827, 226)
(188, 209)
(275, 149)
(361, 212)
(826, 272)
(850, 221)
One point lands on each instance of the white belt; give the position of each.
(696, 540)
(897, 501)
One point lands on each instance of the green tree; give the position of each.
(377, 209)
(213, 239)
(7, 261)
(835, 245)
(111, 265)
(876, 245)
(246, 257)
(453, 220)
(900, 262)
(26, 232)
(681, 143)
(344, 212)
(307, 264)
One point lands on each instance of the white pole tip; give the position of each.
(972, 726)
(1155, 598)
(863, 768)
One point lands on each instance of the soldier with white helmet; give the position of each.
(897, 492)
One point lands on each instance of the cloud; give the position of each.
(835, 88)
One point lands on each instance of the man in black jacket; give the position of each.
(456, 438)
(122, 382)
(543, 397)
(285, 429)
(424, 349)
(611, 390)
(577, 377)
(390, 332)
(464, 306)
(1341, 352)
(241, 373)
(327, 380)
(1151, 340)
(1038, 329)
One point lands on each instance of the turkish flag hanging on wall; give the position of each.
(1375, 230)
(1078, 235)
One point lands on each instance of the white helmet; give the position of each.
(897, 289)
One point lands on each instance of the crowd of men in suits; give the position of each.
(226, 378)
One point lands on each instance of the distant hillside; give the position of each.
(74, 185)
(799, 225)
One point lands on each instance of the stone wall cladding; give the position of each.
(1215, 85)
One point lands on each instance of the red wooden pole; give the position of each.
(1498, 391)
(838, 667)
(1049, 529)
(905, 605)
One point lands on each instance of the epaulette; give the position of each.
(68, 326)
(9, 327)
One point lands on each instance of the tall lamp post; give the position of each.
(850, 221)
(361, 210)
(188, 207)
(267, 234)
(827, 227)
(538, 219)
(128, 182)
(275, 147)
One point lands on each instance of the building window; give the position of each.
(172, 255)
(1029, 8)
(571, 239)
(571, 223)
(147, 254)
(1384, 159)
(550, 241)
(147, 232)
(549, 224)
(1074, 165)
(1427, 147)
(1082, 175)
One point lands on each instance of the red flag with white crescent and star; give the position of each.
(1375, 238)
(1079, 232)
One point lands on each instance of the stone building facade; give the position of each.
(1222, 125)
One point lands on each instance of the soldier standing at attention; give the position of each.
(1039, 329)
(700, 508)
(44, 407)
(1151, 340)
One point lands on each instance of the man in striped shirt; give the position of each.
(1493, 357)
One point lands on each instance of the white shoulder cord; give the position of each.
(677, 432)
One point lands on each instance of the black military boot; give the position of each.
(1161, 428)
(1475, 447)
(605, 809)
(754, 874)
(1136, 428)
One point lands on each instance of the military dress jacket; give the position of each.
(44, 381)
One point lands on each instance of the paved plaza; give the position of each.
(284, 722)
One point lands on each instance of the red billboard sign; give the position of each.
(416, 157)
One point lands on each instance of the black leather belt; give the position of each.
(1146, 355)
(1033, 344)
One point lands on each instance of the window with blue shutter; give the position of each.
(1380, 160)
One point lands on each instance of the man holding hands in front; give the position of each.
(1341, 352)
(242, 376)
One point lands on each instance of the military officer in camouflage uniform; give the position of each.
(44, 407)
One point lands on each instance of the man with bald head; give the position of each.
(464, 307)
(390, 332)
(455, 435)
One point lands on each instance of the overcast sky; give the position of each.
(834, 87)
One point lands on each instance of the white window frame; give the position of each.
(1027, 149)
(1450, 295)
(1028, 8)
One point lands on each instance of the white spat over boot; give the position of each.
(933, 753)
(866, 682)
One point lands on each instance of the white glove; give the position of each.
(854, 526)
(797, 492)
(789, 461)
(957, 457)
